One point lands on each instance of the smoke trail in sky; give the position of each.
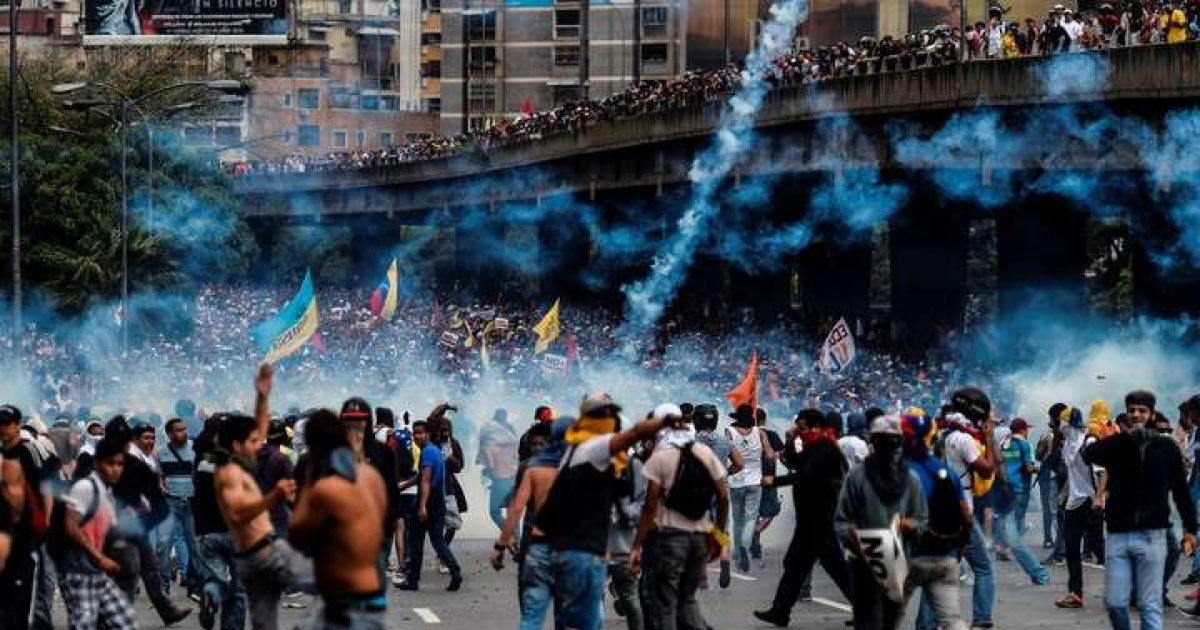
(648, 298)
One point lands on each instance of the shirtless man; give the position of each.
(534, 580)
(339, 522)
(266, 565)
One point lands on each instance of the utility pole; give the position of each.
(584, 43)
(14, 175)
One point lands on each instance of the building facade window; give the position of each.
(287, 99)
(654, 22)
(360, 139)
(481, 27)
(482, 59)
(654, 54)
(385, 139)
(566, 23)
(308, 135)
(338, 139)
(566, 55)
(433, 105)
(562, 94)
(309, 98)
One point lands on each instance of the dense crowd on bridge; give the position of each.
(1061, 31)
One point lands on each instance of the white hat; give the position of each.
(667, 410)
(886, 425)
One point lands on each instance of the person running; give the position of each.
(431, 513)
(683, 478)
(176, 461)
(745, 487)
(578, 511)
(92, 598)
(1050, 464)
(17, 547)
(1009, 530)
(817, 474)
(339, 522)
(705, 418)
(1144, 471)
(498, 444)
(266, 565)
(876, 495)
(769, 506)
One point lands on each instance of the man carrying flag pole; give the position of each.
(288, 330)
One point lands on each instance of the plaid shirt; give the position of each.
(94, 601)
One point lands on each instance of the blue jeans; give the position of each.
(537, 586)
(177, 532)
(983, 596)
(435, 528)
(1135, 560)
(1007, 533)
(498, 496)
(214, 564)
(1048, 491)
(743, 505)
(1195, 491)
(579, 579)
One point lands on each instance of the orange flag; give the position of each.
(746, 392)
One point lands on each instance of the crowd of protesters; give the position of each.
(1061, 31)
(110, 483)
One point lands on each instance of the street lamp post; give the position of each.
(126, 102)
(14, 176)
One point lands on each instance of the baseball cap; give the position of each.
(886, 425)
(1018, 425)
(356, 409)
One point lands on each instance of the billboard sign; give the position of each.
(169, 21)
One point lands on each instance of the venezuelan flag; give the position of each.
(290, 328)
(383, 300)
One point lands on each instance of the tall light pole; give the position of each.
(14, 176)
(125, 103)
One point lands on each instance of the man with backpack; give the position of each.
(85, 572)
(933, 566)
(1012, 484)
(683, 478)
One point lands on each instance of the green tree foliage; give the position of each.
(184, 233)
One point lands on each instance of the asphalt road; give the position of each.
(488, 598)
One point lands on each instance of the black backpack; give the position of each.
(947, 528)
(693, 490)
(57, 540)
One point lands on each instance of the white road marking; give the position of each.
(427, 615)
(832, 604)
(737, 576)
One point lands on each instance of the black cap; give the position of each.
(972, 403)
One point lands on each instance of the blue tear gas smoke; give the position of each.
(648, 298)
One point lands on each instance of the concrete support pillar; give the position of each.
(893, 18)
(524, 252)
(880, 291)
(983, 295)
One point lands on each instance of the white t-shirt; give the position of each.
(1081, 478)
(750, 447)
(662, 468)
(961, 452)
(854, 449)
(595, 452)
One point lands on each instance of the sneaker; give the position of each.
(805, 595)
(1070, 601)
(1191, 580)
(208, 611)
(771, 617)
(173, 615)
(725, 578)
(455, 583)
(295, 603)
(1054, 561)
(1042, 579)
(194, 597)
(442, 569)
(398, 581)
(1049, 544)
(756, 549)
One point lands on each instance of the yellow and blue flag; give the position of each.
(289, 329)
(383, 299)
